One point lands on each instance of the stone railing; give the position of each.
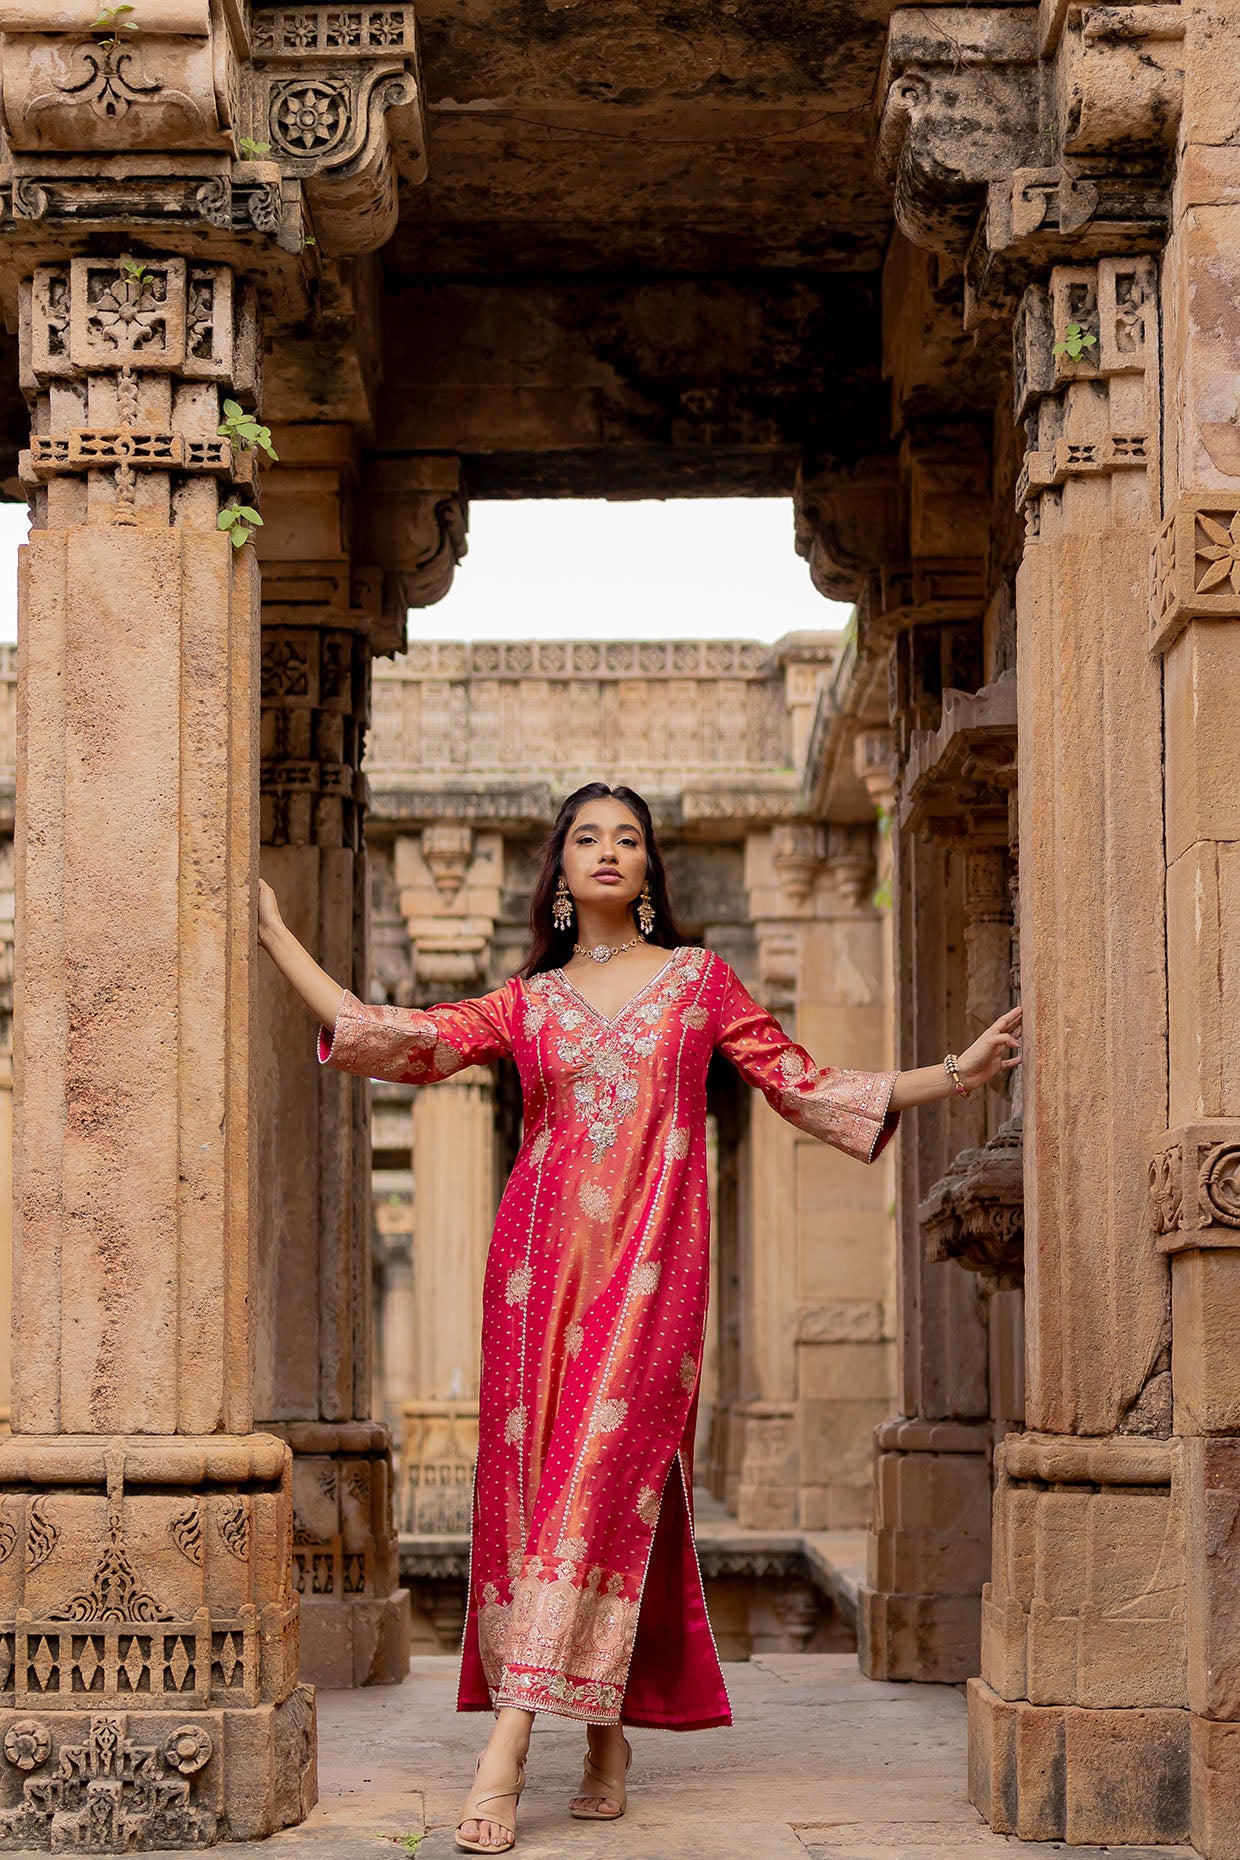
(665, 711)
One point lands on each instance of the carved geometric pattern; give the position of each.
(333, 30)
(1195, 570)
(105, 448)
(159, 314)
(107, 1794)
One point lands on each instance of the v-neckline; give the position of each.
(611, 1020)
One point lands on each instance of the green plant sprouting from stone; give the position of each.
(135, 271)
(251, 150)
(1074, 342)
(245, 432)
(112, 20)
(239, 521)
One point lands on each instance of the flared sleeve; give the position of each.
(419, 1046)
(847, 1109)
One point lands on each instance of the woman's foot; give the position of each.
(603, 1796)
(498, 1781)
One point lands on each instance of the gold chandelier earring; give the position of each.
(645, 911)
(562, 906)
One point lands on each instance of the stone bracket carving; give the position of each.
(326, 80)
(1195, 1186)
(1016, 136)
(1195, 570)
(960, 110)
(415, 516)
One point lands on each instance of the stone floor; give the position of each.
(821, 1764)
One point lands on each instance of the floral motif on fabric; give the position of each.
(648, 1506)
(560, 1641)
(520, 1280)
(540, 1146)
(533, 1018)
(608, 1415)
(514, 1426)
(847, 1109)
(688, 1371)
(677, 1144)
(574, 1337)
(697, 1017)
(606, 1054)
(646, 1277)
(595, 1201)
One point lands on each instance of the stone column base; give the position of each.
(933, 1638)
(1086, 1775)
(356, 1641)
(109, 1781)
(919, 1612)
(355, 1618)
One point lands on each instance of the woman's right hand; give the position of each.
(269, 918)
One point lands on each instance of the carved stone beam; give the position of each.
(959, 110)
(415, 515)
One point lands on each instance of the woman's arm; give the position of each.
(987, 1056)
(321, 995)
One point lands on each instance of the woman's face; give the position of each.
(604, 855)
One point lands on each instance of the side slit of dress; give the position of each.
(673, 1682)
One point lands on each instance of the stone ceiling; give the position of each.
(645, 258)
(708, 136)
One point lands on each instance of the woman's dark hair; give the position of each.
(549, 947)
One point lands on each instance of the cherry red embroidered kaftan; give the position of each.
(585, 1594)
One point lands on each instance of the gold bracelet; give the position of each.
(953, 1072)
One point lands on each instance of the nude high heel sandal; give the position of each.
(609, 1787)
(472, 1811)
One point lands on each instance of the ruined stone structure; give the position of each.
(473, 748)
(968, 276)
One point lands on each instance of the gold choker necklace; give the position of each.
(603, 952)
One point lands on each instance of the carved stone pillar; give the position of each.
(1195, 1165)
(454, 1208)
(816, 1357)
(148, 1622)
(314, 1368)
(1091, 1649)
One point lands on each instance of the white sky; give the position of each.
(562, 568)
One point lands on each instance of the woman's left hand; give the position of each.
(988, 1053)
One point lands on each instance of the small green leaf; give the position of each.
(309, 241)
(249, 516)
(239, 537)
(251, 149)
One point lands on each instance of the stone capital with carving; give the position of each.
(272, 131)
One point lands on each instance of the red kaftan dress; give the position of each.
(594, 1311)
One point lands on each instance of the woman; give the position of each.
(585, 1596)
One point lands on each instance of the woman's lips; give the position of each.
(606, 878)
